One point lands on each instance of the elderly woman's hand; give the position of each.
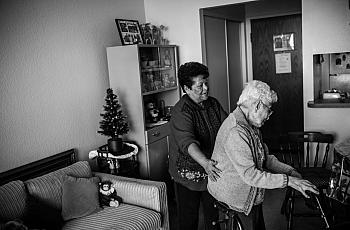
(211, 169)
(302, 186)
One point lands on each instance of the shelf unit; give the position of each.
(140, 74)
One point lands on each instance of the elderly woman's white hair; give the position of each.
(257, 90)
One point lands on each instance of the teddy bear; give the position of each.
(108, 195)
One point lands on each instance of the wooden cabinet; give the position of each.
(143, 74)
(156, 146)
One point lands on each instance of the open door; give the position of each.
(223, 58)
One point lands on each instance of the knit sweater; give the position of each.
(192, 123)
(247, 168)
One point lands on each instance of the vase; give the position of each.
(115, 145)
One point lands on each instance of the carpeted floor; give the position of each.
(273, 219)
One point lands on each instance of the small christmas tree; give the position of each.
(113, 123)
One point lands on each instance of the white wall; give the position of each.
(326, 29)
(53, 74)
(183, 19)
(53, 68)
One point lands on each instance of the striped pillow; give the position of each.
(48, 188)
(13, 199)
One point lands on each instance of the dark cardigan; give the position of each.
(192, 123)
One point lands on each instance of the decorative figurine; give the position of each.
(152, 113)
(167, 61)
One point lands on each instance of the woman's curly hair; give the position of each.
(190, 70)
(257, 90)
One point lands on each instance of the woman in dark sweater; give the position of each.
(195, 121)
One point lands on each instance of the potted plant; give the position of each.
(113, 123)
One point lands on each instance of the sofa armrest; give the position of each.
(144, 193)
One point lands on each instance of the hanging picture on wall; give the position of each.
(283, 42)
(129, 31)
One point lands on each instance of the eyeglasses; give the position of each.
(269, 110)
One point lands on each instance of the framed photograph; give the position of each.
(129, 31)
(283, 42)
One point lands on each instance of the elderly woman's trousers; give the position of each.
(255, 219)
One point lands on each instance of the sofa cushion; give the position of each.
(48, 187)
(79, 197)
(126, 217)
(40, 215)
(13, 198)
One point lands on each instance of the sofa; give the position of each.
(144, 204)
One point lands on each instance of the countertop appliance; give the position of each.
(331, 94)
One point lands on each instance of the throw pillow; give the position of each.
(12, 200)
(48, 187)
(79, 197)
(41, 215)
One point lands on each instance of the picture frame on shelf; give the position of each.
(147, 35)
(129, 31)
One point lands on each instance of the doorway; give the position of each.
(223, 56)
(288, 111)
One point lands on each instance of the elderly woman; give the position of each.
(247, 168)
(195, 121)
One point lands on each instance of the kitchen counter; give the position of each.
(329, 103)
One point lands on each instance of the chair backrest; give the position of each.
(299, 148)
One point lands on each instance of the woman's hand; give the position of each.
(302, 186)
(212, 171)
(207, 164)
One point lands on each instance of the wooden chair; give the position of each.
(308, 152)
